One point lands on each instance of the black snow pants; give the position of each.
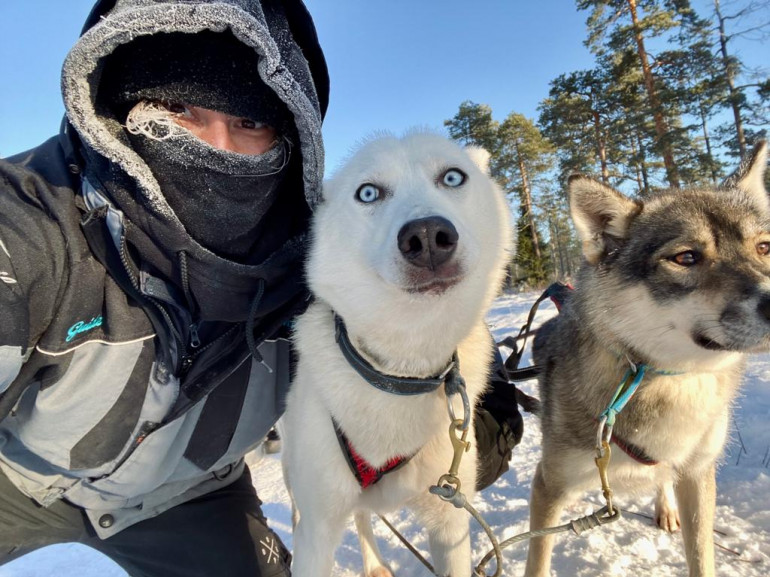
(221, 534)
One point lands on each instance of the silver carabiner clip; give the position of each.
(603, 435)
(466, 409)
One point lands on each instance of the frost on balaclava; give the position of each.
(219, 196)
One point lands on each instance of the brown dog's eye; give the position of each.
(686, 258)
(763, 248)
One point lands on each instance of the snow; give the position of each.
(631, 546)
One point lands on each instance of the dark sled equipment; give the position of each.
(558, 292)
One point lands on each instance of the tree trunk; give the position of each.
(661, 130)
(643, 165)
(601, 147)
(527, 194)
(707, 141)
(729, 72)
(555, 235)
(638, 168)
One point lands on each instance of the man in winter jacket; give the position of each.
(151, 258)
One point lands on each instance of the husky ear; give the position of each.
(600, 214)
(750, 175)
(479, 156)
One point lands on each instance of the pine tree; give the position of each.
(574, 119)
(522, 157)
(619, 25)
(533, 269)
(747, 18)
(473, 124)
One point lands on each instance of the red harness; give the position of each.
(365, 474)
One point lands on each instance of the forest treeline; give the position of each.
(667, 104)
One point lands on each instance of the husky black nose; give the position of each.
(428, 242)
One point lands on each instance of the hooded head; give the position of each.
(239, 57)
(253, 59)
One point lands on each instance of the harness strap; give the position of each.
(558, 293)
(636, 452)
(626, 389)
(365, 474)
(388, 383)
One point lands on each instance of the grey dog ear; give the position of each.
(750, 175)
(599, 213)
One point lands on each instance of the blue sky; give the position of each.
(394, 64)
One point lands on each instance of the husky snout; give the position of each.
(428, 242)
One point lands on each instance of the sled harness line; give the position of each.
(557, 292)
(448, 489)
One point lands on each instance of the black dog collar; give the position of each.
(388, 383)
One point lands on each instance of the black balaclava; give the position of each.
(219, 196)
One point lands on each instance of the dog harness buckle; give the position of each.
(603, 464)
(450, 482)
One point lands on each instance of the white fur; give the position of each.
(357, 270)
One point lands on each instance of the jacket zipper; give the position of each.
(184, 361)
(195, 340)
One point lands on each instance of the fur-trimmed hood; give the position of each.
(262, 26)
(290, 62)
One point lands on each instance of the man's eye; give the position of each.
(176, 107)
(249, 124)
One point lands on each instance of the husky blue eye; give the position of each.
(453, 177)
(367, 193)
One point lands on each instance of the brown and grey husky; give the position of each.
(675, 288)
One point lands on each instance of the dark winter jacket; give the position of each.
(126, 381)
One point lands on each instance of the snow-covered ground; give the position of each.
(632, 546)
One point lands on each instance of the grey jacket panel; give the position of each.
(107, 522)
(51, 420)
(11, 359)
(155, 468)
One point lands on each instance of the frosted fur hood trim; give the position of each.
(281, 66)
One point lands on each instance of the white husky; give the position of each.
(409, 247)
